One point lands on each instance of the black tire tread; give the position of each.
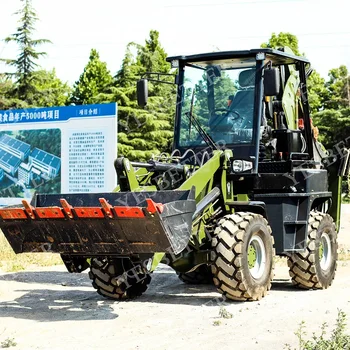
(108, 279)
(227, 257)
(302, 269)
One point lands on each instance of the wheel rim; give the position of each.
(325, 253)
(256, 257)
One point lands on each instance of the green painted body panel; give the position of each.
(203, 177)
(242, 197)
(157, 258)
(335, 186)
(290, 99)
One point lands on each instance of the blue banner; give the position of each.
(55, 114)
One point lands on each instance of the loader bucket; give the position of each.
(119, 223)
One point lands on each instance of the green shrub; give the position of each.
(338, 339)
(223, 313)
(9, 342)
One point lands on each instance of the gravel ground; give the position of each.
(49, 308)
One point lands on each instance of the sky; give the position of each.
(185, 26)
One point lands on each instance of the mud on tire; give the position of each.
(235, 273)
(118, 279)
(201, 275)
(315, 267)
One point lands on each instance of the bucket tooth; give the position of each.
(29, 209)
(67, 208)
(108, 209)
(153, 207)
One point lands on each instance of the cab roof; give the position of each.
(244, 57)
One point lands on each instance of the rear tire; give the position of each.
(315, 267)
(242, 256)
(118, 279)
(201, 275)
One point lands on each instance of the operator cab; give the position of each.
(244, 100)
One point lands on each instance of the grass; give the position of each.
(10, 262)
(337, 340)
(343, 254)
(9, 342)
(223, 313)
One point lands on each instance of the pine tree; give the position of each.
(7, 93)
(129, 71)
(49, 90)
(95, 80)
(25, 63)
(144, 132)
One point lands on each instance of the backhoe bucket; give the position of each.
(119, 223)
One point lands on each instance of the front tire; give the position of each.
(118, 279)
(242, 256)
(315, 267)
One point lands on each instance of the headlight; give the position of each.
(239, 166)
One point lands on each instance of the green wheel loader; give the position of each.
(247, 179)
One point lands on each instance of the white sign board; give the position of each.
(57, 150)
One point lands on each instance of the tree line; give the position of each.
(144, 132)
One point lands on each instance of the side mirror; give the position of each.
(272, 82)
(142, 92)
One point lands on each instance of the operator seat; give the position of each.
(223, 127)
(243, 100)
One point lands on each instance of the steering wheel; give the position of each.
(226, 110)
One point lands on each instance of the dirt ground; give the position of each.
(49, 308)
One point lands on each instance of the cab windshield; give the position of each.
(220, 97)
